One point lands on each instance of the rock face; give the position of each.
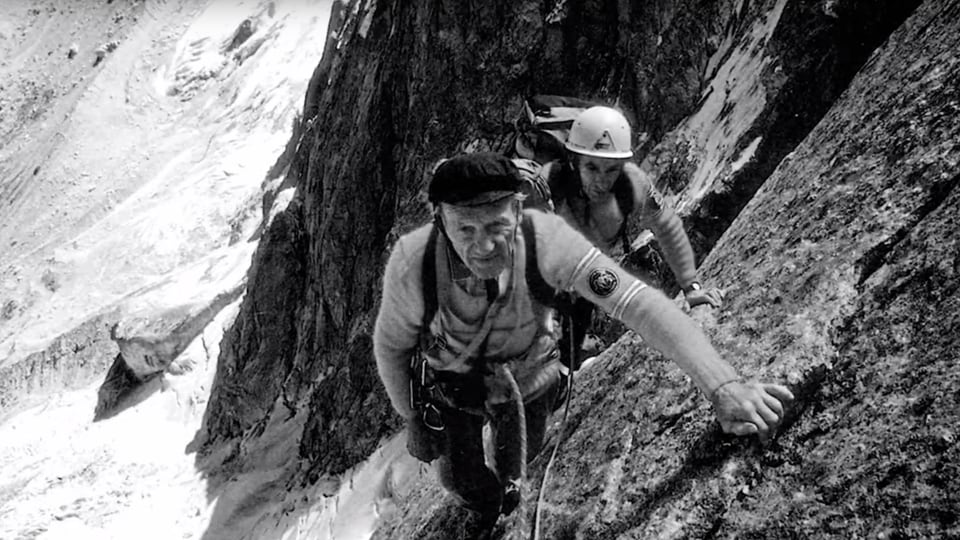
(828, 232)
(778, 68)
(855, 241)
(68, 362)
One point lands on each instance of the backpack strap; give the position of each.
(576, 313)
(623, 191)
(420, 399)
(428, 280)
(541, 291)
(561, 180)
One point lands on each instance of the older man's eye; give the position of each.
(499, 228)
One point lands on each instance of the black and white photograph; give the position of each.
(479, 269)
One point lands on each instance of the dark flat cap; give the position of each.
(474, 179)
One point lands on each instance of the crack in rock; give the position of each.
(877, 256)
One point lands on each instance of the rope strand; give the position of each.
(556, 447)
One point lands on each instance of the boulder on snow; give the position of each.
(161, 320)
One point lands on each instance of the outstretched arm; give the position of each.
(569, 262)
(658, 320)
(742, 408)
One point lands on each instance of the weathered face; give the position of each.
(598, 175)
(483, 235)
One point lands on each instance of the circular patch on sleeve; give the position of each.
(603, 281)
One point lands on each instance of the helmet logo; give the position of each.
(605, 142)
(600, 132)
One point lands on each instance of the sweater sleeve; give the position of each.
(398, 323)
(665, 224)
(666, 328)
(568, 261)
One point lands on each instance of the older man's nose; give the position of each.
(485, 244)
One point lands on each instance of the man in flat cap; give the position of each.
(465, 332)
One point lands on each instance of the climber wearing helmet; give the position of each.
(465, 334)
(597, 188)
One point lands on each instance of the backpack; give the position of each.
(542, 128)
(579, 310)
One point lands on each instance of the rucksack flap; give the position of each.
(543, 126)
(553, 112)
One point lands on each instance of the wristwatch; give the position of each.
(695, 286)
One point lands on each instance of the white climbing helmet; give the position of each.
(600, 132)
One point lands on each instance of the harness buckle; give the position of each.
(432, 418)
